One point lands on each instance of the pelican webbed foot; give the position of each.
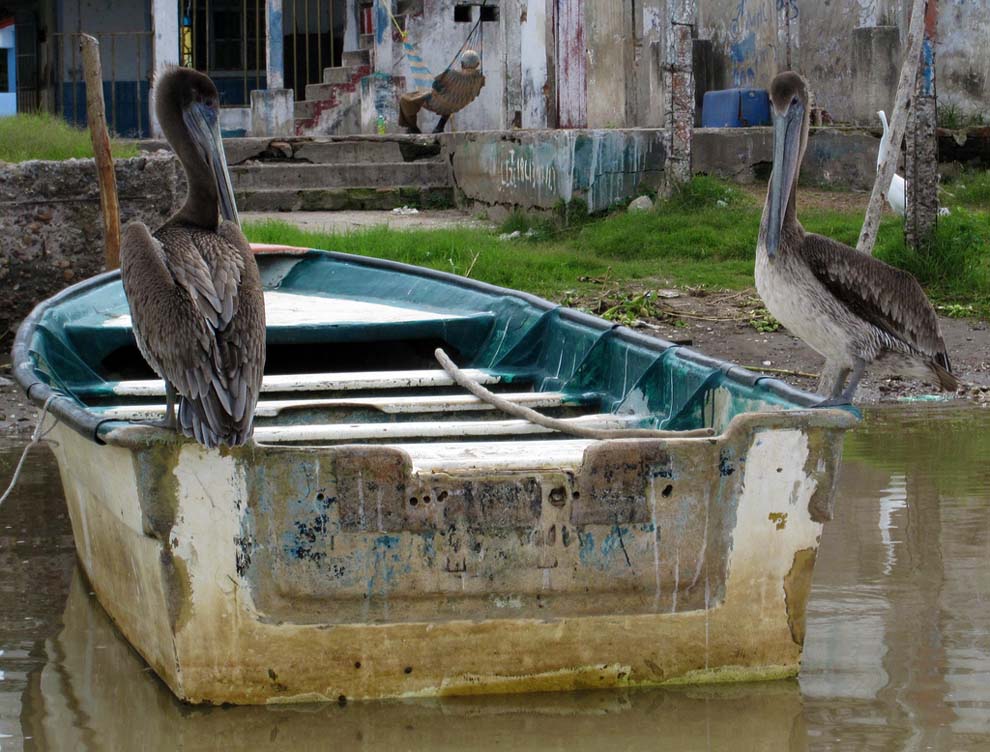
(168, 422)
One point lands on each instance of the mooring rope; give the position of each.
(36, 438)
(555, 424)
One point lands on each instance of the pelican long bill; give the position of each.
(786, 155)
(204, 126)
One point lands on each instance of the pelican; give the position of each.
(846, 305)
(193, 286)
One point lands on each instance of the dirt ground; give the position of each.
(726, 325)
(348, 221)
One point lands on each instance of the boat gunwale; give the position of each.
(89, 425)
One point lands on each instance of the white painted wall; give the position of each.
(438, 38)
(165, 46)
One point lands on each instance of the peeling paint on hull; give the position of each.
(720, 601)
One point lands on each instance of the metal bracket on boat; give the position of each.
(554, 424)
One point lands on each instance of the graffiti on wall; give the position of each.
(745, 51)
(522, 168)
(601, 167)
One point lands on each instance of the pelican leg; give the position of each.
(840, 396)
(168, 422)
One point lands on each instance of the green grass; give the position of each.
(703, 236)
(971, 188)
(42, 136)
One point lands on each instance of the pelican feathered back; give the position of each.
(888, 298)
(198, 312)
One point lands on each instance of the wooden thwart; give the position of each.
(390, 405)
(430, 429)
(326, 382)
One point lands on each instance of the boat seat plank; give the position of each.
(324, 382)
(390, 405)
(507, 456)
(429, 429)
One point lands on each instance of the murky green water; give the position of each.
(897, 654)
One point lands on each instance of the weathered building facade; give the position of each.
(850, 50)
(341, 64)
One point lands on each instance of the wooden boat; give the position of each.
(388, 535)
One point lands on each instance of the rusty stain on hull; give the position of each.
(797, 586)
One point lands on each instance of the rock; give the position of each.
(641, 204)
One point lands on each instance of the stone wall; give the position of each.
(51, 233)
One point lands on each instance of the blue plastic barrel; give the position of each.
(735, 108)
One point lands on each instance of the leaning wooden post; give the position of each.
(97, 120)
(898, 123)
(679, 80)
(921, 155)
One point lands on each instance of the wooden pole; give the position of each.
(679, 85)
(921, 154)
(898, 124)
(97, 121)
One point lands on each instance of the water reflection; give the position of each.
(96, 693)
(897, 656)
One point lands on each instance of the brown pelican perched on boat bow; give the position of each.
(848, 306)
(193, 286)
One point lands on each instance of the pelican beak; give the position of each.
(203, 123)
(786, 155)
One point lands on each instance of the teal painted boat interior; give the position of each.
(82, 345)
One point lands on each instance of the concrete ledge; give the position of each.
(540, 169)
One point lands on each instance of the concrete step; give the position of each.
(305, 110)
(366, 150)
(341, 199)
(356, 58)
(323, 92)
(282, 175)
(341, 75)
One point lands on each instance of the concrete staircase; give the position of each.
(341, 172)
(349, 100)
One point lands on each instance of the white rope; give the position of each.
(562, 426)
(36, 438)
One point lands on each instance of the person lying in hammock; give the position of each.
(452, 91)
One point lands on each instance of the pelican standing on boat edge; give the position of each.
(193, 286)
(848, 306)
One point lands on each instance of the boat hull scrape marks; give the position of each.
(345, 572)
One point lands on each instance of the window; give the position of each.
(462, 14)
(489, 13)
(4, 71)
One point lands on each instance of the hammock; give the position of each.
(422, 76)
